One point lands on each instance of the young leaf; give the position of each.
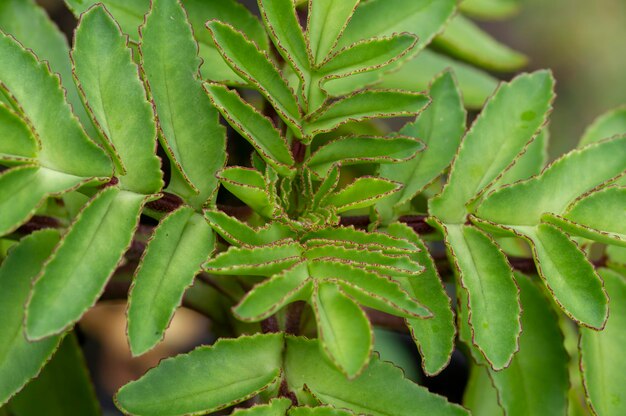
(32, 27)
(327, 20)
(24, 188)
(256, 68)
(182, 242)
(424, 18)
(281, 21)
(572, 280)
(369, 289)
(603, 374)
(363, 192)
(18, 142)
(241, 234)
(508, 122)
(20, 359)
(537, 381)
(367, 55)
(62, 388)
(256, 261)
(249, 186)
(465, 40)
(109, 81)
(344, 331)
(357, 150)
(416, 74)
(351, 237)
(192, 134)
(441, 127)
(435, 336)
(257, 129)
(207, 379)
(75, 275)
(493, 296)
(574, 174)
(269, 296)
(363, 106)
(276, 407)
(600, 216)
(610, 124)
(64, 144)
(304, 365)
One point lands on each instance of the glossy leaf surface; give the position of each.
(207, 379)
(110, 83)
(89, 253)
(179, 246)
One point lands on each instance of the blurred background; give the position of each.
(582, 41)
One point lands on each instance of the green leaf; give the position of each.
(441, 127)
(465, 40)
(284, 29)
(249, 186)
(600, 352)
(365, 105)
(62, 388)
(351, 237)
(257, 261)
(367, 55)
(490, 9)
(192, 134)
(229, 11)
(24, 188)
(32, 27)
(610, 124)
(64, 144)
(368, 288)
(356, 150)
(269, 296)
(304, 365)
(18, 142)
(327, 21)
(75, 275)
(537, 380)
(207, 379)
(416, 74)
(256, 68)
(241, 234)
(480, 396)
(181, 243)
(257, 129)
(20, 359)
(363, 192)
(493, 296)
(600, 216)
(527, 164)
(424, 18)
(318, 411)
(109, 81)
(572, 280)
(511, 118)
(574, 174)
(129, 14)
(435, 336)
(344, 331)
(276, 407)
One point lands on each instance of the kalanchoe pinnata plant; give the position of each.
(339, 221)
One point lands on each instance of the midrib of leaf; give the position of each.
(116, 157)
(317, 50)
(332, 333)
